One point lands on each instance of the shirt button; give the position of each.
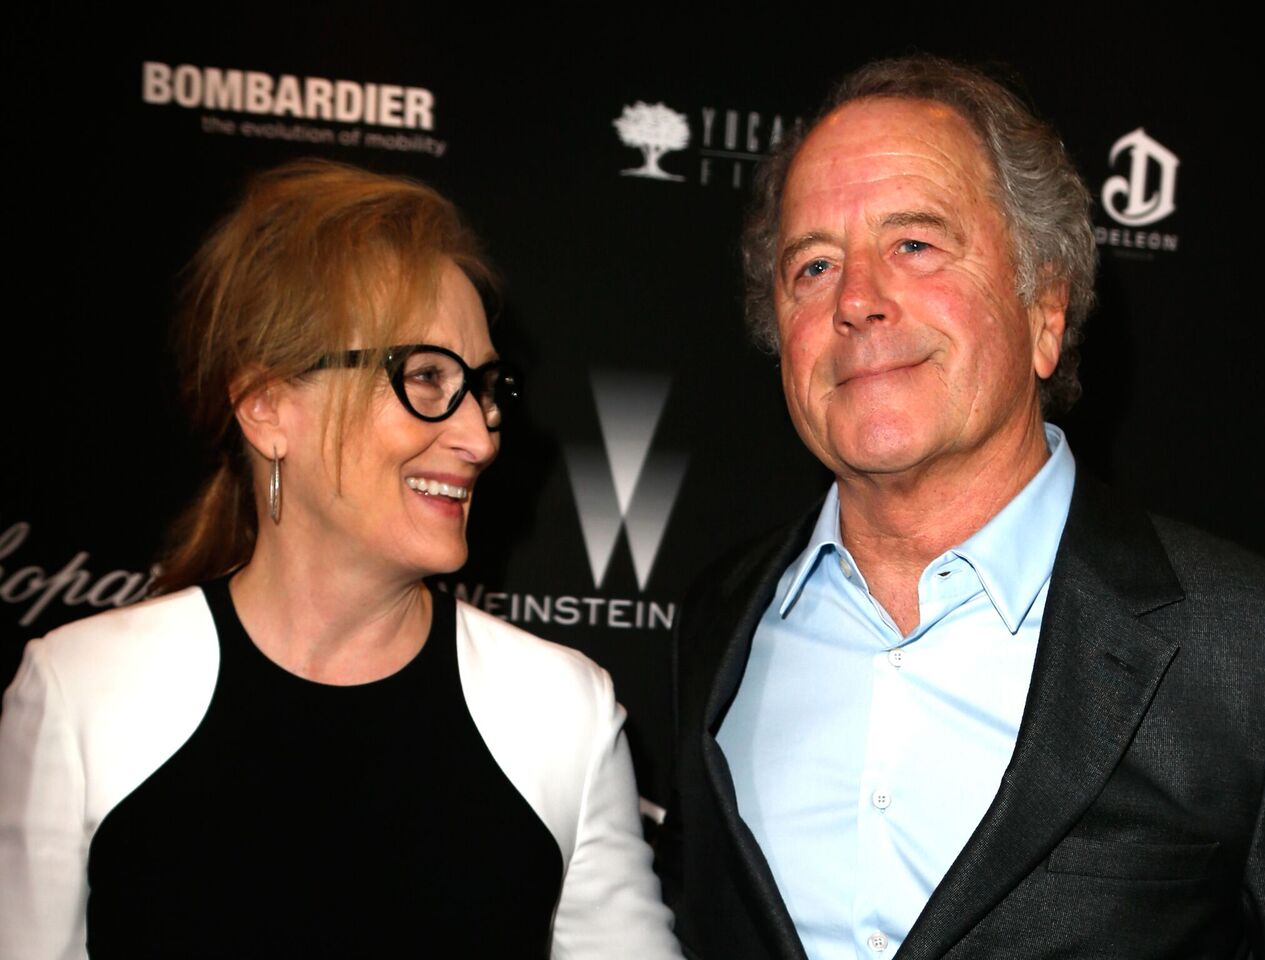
(845, 567)
(881, 799)
(877, 942)
(896, 657)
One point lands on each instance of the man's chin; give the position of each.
(885, 447)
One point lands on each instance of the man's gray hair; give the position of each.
(1037, 189)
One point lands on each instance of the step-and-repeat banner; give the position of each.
(609, 177)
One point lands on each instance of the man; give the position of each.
(972, 705)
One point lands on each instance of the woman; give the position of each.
(299, 750)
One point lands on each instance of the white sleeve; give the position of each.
(43, 840)
(610, 905)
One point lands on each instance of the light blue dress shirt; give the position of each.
(862, 759)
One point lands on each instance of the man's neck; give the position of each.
(895, 525)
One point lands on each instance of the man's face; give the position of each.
(904, 344)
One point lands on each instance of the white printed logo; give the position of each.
(311, 98)
(625, 483)
(1140, 208)
(654, 129)
(71, 585)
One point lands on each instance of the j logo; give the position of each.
(624, 482)
(1139, 207)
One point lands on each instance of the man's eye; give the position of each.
(912, 246)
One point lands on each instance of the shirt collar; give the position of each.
(825, 536)
(1012, 554)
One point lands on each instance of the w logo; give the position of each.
(624, 483)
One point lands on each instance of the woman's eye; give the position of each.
(815, 268)
(429, 379)
(424, 375)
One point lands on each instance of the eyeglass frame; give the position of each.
(393, 363)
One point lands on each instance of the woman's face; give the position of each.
(406, 484)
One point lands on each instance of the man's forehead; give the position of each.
(917, 147)
(875, 135)
(859, 119)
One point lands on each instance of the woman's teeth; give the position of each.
(433, 488)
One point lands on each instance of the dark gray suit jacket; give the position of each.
(1129, 821)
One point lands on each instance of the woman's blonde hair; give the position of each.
(317, 257)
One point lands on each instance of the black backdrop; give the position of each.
(623, 292)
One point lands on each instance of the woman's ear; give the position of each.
(256, 406)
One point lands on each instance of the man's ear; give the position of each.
(1048, 317)
(256, 406)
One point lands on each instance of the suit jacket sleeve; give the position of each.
(714, 875)
(549, 717)
(43, 848)
(610, 904)
(1254, 888)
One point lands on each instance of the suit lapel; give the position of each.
(748, 594)
(1096, 672)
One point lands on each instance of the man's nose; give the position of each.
(863, 299)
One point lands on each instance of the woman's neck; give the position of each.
(326, 622)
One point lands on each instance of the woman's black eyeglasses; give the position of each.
(432, 381)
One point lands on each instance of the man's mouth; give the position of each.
(436, 488)
(878, 370)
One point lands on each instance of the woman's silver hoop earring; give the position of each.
(274, 487)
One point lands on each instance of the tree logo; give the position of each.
(654, 129)
(1141, 208)
(625, 484)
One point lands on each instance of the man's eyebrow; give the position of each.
(796, 246)
(920, 218)
(901, 218)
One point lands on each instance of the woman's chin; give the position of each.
(438, 565)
